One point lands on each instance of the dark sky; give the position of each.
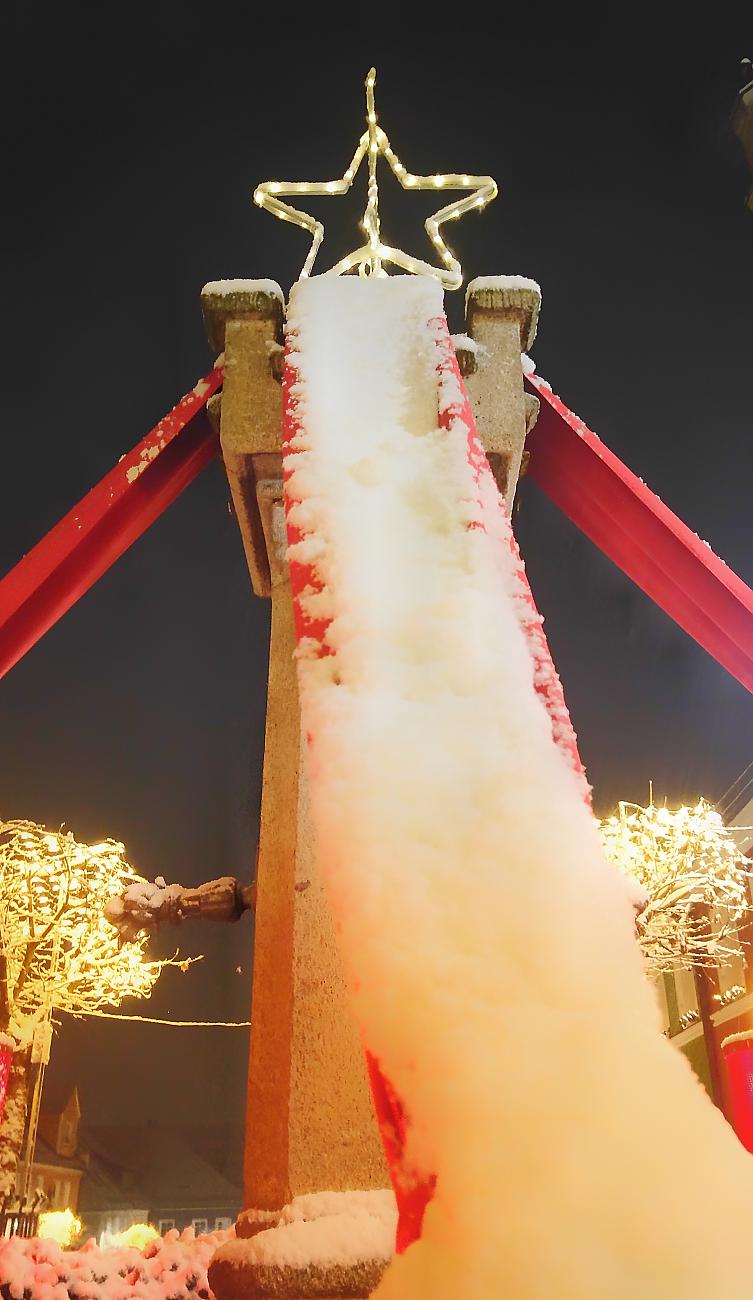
(132, 147)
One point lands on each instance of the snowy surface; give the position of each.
(323, 1229)
(142, 901)
(746, 1036)
(501, 282)
(223, 287)
(172, 1268)
(528, 364)
(490, 946)
(468, 344)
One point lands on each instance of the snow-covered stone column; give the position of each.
(501, 317)
(310, 1124)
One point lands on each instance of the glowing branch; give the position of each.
(695, 877)
(57, 951)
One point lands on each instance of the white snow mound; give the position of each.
(489, 944)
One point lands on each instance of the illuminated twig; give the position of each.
(696, 879)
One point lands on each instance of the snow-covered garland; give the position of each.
(172, 1268)
(490, 947)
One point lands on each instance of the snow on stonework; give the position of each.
(322, 1229)
(227, 287)
(501, 282)
(490, 946)
(172, 1268)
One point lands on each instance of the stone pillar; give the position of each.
(501, 318)
(310, 1122)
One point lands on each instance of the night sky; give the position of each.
(132, 147)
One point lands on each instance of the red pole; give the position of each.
(738, 1054)
(6, 1061)
(96, 532)
(629, 523)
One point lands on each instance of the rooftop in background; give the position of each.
(158, 1166)
(742, 117)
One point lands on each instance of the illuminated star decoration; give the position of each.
(372, 257)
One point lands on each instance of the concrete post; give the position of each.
(502, 320)
(310, 1123)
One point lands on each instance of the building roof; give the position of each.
(157, 1167)
(56, 1096)
(44, 1154)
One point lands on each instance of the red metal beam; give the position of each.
(92, 536)
(629, 523)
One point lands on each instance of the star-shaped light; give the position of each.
(372, 257)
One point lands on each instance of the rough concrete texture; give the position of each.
(310, 1121)
(334, 1139)
(248, 324)
(234, 1279)
(503, 322)
(237, 300)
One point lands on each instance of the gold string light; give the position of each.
(373, 255)
(696, 879)
(57, 950)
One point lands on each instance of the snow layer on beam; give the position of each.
(501, 282)
(490, 946)
(270, 287)
(323, 1229)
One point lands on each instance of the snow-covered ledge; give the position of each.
(233, 299)
(501, 313)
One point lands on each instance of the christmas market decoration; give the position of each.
(437, 731)
(173, 1267)
(61, 1226)
(372, 257)
(57, 954)
(139, 1235)
(695, 878)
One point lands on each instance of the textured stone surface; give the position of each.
(513, 302)
(239, 300)
(251, 1222)
(310, 1122)
(503, 321)
(234, 1280)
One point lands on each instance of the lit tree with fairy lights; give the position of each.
(57, 954)
(695, 878)
(696, 884)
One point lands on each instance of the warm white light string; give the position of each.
(370, 258)
(172, 1024)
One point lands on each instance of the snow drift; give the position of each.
(174, 1267)
(490, 946)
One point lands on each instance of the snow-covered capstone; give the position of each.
(490, 946)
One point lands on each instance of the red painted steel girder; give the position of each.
(96, 532)
(643, 537)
